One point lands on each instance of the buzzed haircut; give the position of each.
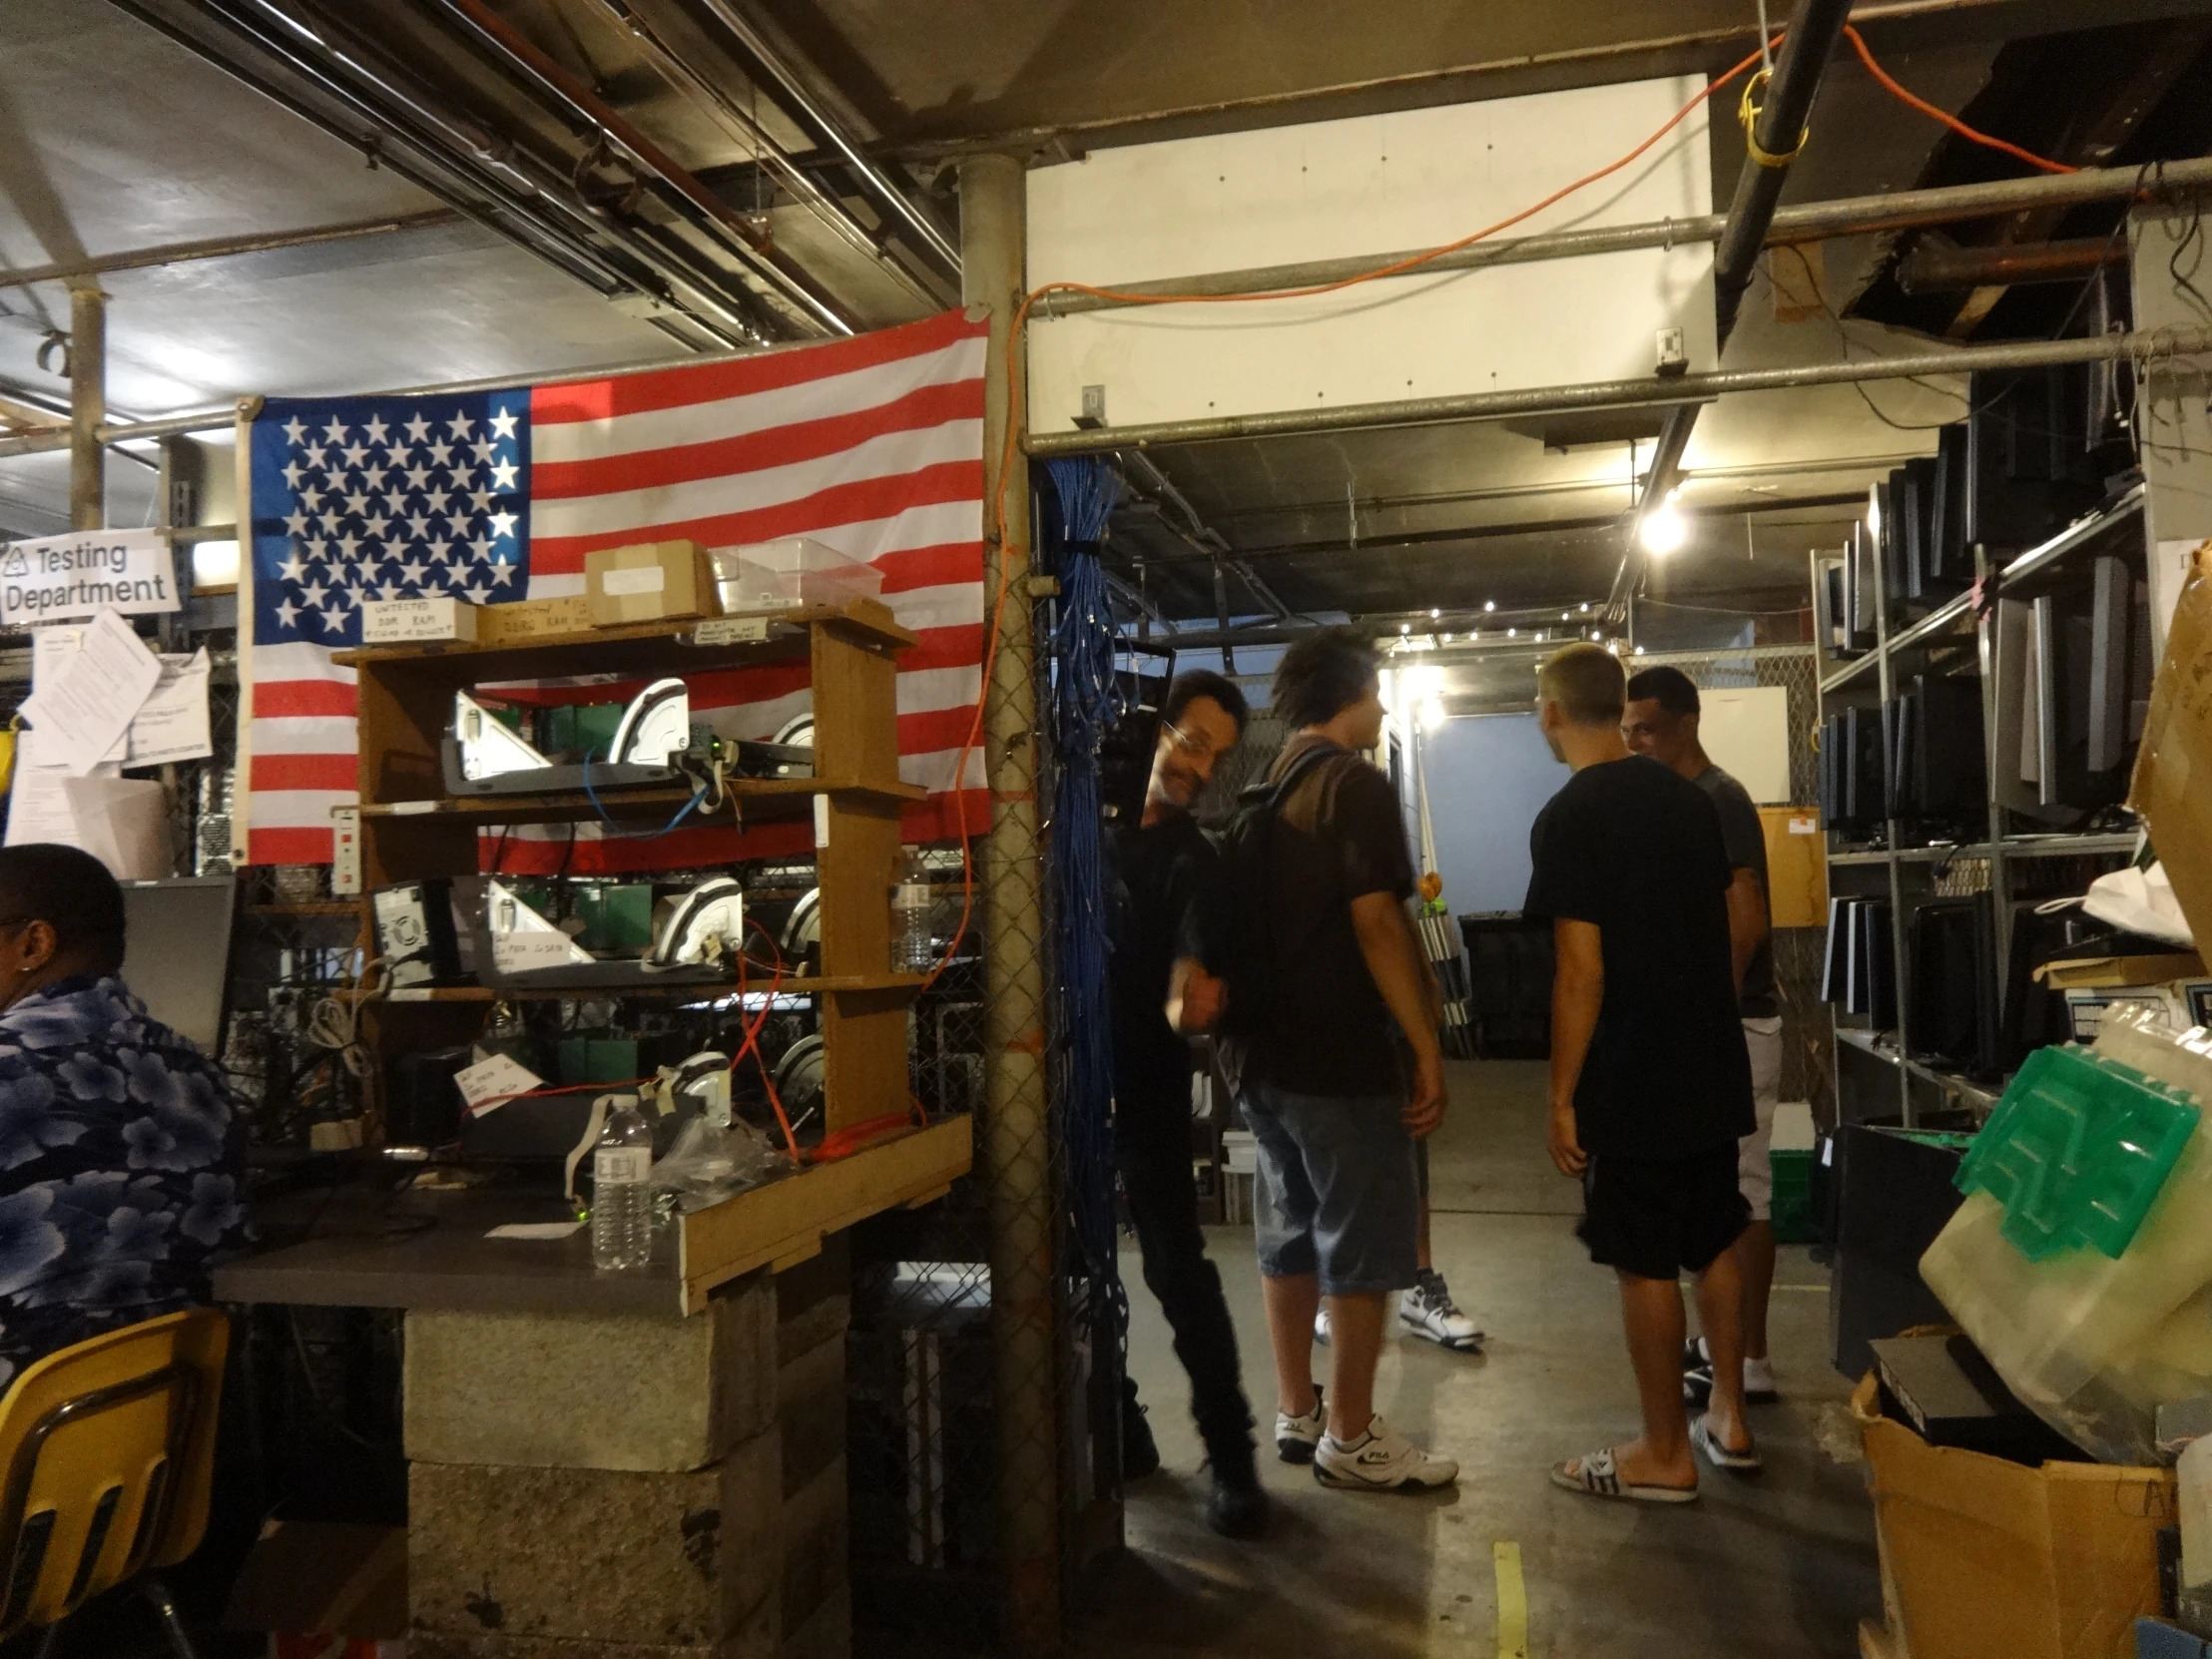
(1322, 675)
(1587, 683)
(72, 892)
(1187, 688)
(1670, 687)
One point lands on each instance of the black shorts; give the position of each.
(1656, 1217)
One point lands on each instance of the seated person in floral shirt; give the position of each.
(121, 1158)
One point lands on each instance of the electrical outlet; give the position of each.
(1674, 356)
(345, 850)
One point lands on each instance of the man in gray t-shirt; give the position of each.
(1661, 720)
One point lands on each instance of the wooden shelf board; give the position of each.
(755, 985)
(761, 797)
(661, 647)
(786, 1221)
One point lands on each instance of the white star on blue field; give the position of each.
(364, 498)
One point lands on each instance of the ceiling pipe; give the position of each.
(813, 112)
(225, 248)
(1849, 216)
(1773, 141)
(772, 158)
(1938, 265)
(498, 165)
(800, 290)
(1649, 391)
(453, 155)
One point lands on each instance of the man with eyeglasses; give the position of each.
(1164, 865)
(122, 1157)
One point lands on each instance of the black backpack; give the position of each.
(1247, 951)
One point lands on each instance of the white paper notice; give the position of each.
(536, 1230)
(53, 649)
(520, 952)
(122, 822)
(87, 710)
(172, 723)
(490, 1084)
(38, 809)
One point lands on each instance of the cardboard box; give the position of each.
(647, 582)
(408, 620)
(2095, 983)
(1797, 866)
(1988, 1559)
(2173, 787)
(532, 619)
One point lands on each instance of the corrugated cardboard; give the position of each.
(647, 582)
(532, 619)
(1797, 866)
(2097, 974)
(1988, 1559)
(2173, 769)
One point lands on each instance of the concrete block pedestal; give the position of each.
(633, 1486)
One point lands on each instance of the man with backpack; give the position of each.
(1324, 973)
(1163, 867)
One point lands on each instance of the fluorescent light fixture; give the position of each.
(1490, 604)
(215, 564)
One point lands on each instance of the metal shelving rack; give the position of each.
(1865, 1058)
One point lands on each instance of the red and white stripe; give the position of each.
(872, 446)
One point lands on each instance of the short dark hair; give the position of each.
(71, 891)
(1322, 675)
(1672, 689)
(1585, 681)
(1189, 687)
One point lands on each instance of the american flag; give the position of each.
(871, 445)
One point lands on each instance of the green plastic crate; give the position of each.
(1793, 1195)
(2076, 1152)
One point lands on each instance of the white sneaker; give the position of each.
(1296, 1437)
(1381, 1461)
(1321, 1327)
(1428, 1311)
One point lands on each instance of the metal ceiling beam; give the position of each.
(225, 248)
(1647, 392)
(1813, 222)
(814, 112)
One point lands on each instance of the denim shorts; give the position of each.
(1335, 1192)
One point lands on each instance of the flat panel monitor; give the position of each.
(176, 951)
(1950, 556)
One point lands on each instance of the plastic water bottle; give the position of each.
(914, 941)
(622, 1191)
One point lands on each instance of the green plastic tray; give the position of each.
(2076, 1152)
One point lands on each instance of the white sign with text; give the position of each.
(132, 571)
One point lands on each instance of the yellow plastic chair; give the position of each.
(107, 1449)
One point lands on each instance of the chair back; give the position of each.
(106, 1452)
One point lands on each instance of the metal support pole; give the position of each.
(1017, 1152)
(88, 408)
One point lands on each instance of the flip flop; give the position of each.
(1596, 1475)
(1745, 1461)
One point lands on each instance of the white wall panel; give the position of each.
(1373, 183)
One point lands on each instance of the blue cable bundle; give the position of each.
(1084, 706)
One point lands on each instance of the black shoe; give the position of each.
(1140, 1456)
(1238, 1506)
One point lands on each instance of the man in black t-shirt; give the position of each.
(1162, 868)
(1662, 721)
(1650, 1082)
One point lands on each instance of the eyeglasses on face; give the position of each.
(1198, 748)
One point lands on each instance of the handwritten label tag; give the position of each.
(490, 1084)
(732, 630)
(520, 952)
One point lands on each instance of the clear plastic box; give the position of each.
(790, 574)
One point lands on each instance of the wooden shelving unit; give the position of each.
(411, 829)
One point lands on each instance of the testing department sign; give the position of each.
(132, 571)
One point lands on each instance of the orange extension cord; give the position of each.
(1398, 267)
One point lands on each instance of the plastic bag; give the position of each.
(2139, 901)
(708, 1165)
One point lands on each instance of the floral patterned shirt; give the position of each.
(122, 1168)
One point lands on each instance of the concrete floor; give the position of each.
(1775, 1565)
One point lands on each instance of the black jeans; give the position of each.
(1153, 1152)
